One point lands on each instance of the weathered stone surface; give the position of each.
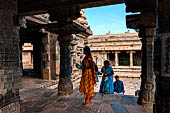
(162, 57)
(10, 59)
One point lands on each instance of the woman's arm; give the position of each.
(110, 74)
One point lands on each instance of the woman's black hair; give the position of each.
(87, 50)
(106, 62)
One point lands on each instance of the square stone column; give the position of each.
(46, 57)
(54, 61)
(116, 59)
(146, 95)
(162, 57)
(131, 58)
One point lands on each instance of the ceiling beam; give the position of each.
(32, 7)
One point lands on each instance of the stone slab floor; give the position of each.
(38, 99)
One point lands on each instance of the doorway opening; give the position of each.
(112, 41)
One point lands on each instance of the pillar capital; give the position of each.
(65, 39)
(148, 32)
(64, 14)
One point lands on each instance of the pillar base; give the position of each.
(145, 104)
(65, 87)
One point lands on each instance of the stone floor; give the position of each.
(38, 99)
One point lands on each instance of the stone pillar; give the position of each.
(162, 57)
(146, 95)
(162, 71)
(53, 56)
(131, 58)
(116, 59)
(10, 72)
(46, 68)
(65, 84)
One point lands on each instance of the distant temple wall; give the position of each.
(123, 51)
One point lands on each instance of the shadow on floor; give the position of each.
(47, 101)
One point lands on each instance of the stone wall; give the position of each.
(10, 71)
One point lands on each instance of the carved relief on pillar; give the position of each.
(167, 63)
(165, 55)
(157, 55)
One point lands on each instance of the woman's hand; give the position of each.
(106, 75)
(77, 64)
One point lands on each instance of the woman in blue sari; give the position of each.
(106, 85)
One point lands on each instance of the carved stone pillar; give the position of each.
(116, 59)
(65, 84)
(67, 27)
(46, 57)
(162, 57)
(10, 72)
(146, 95)
(53, 56)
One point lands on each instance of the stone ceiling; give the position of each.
(32, 7)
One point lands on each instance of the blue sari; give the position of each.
(106, 85)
